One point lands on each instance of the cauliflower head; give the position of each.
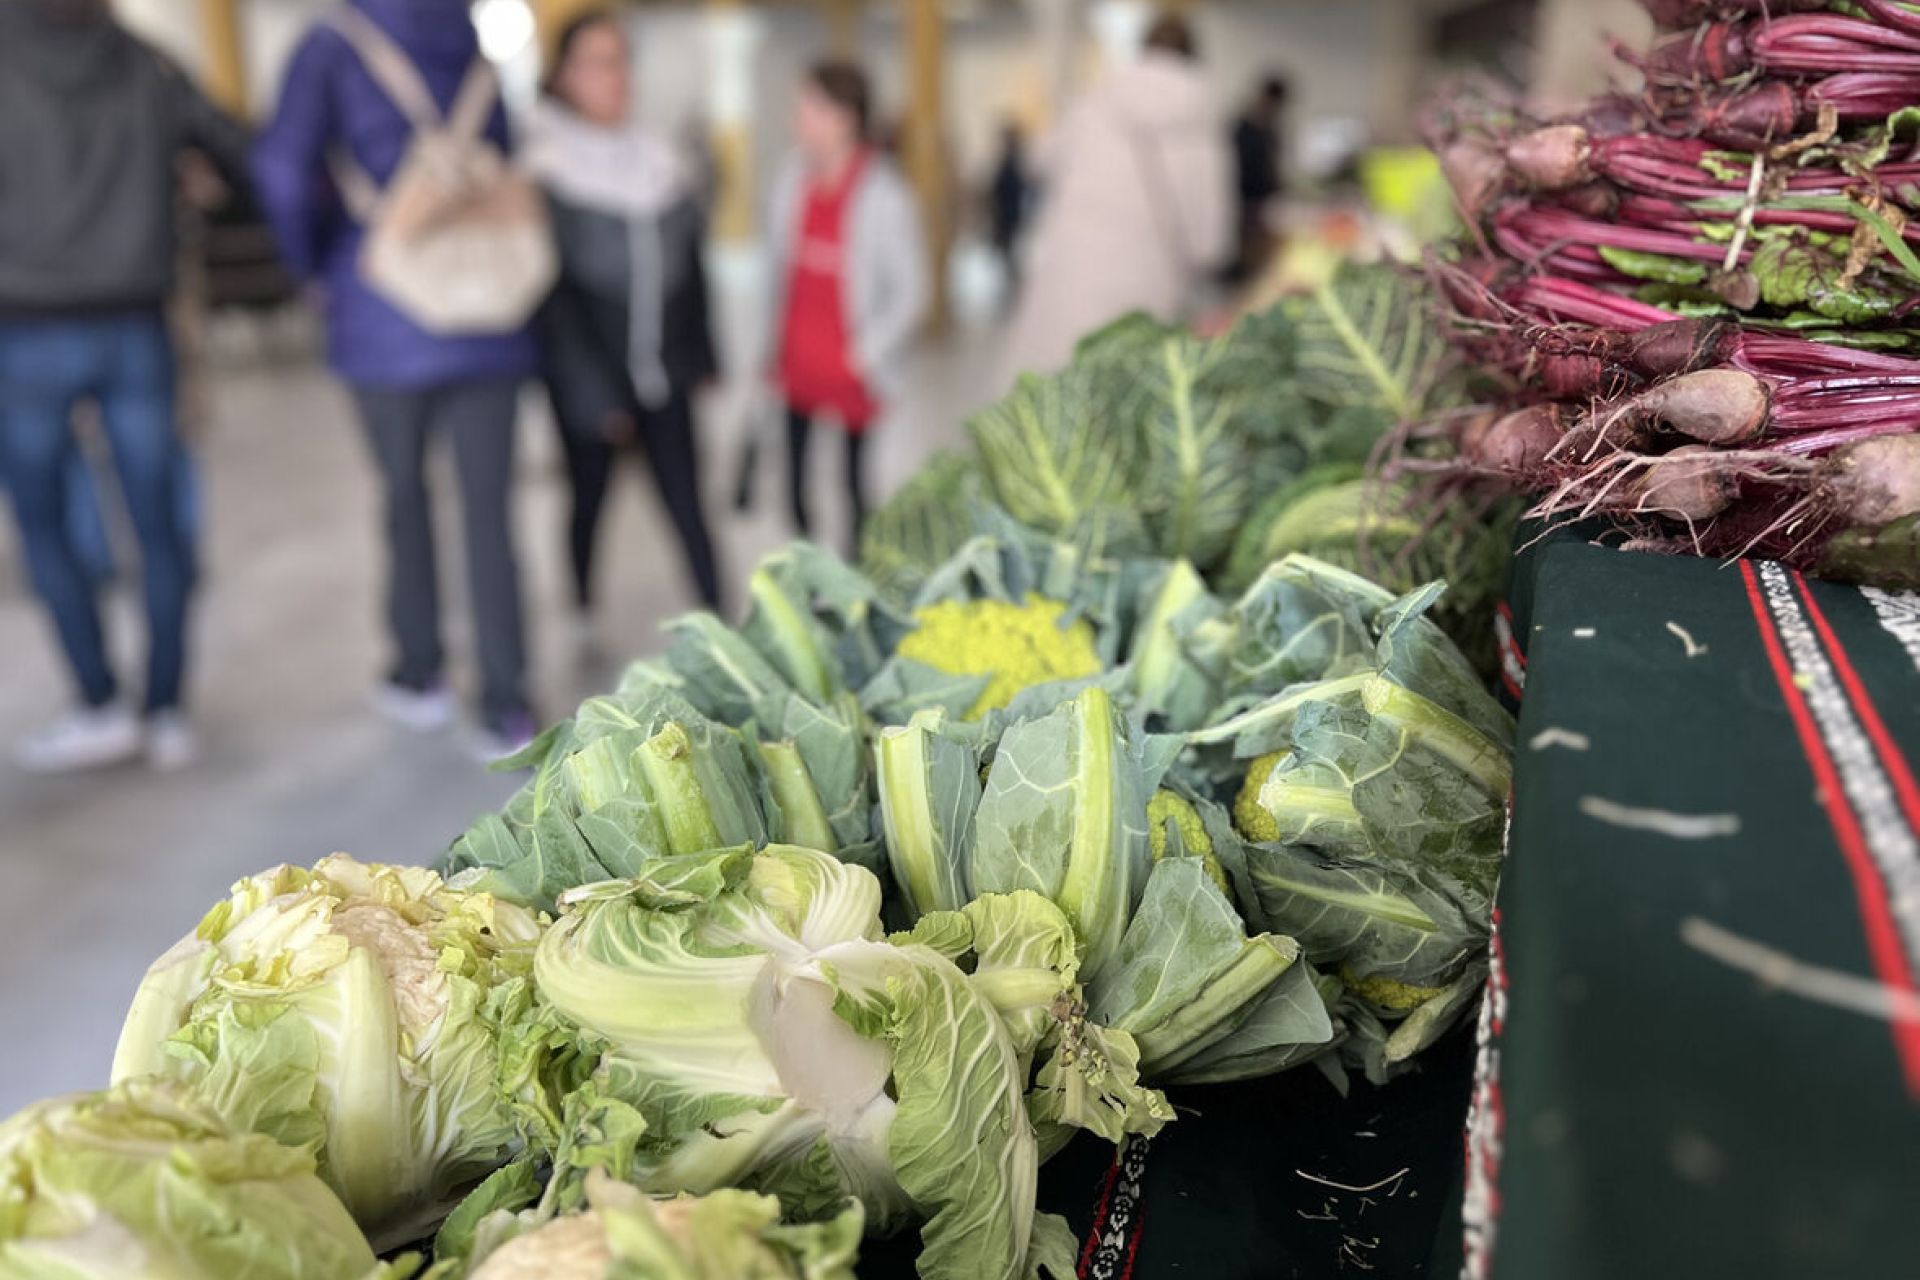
(1389, 993)
(1167, 806)
(1251, 818)
(1018, 645)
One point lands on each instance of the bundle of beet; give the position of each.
(1701, 302)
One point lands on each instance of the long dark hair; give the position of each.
(846, 86)
(563, 48)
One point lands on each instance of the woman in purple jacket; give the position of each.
(409, 384)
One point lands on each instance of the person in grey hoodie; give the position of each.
(92, 122)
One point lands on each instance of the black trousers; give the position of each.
(478, 418)
(666, 437)
(799, 438)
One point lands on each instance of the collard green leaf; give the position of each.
(1367, 338)
(1059, 462)
(1187, 975)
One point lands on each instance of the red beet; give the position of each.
(1749, 119)
(1678, 15)
(1596, 199)
(1476, 172)
(1691, 483)
(1714, 406)
(1717, 51)
(1681, 346)
(1551, 159)
(1518, 444)
(1875, 482)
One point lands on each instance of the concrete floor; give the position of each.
(99, 874)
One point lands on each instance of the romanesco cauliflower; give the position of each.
(1019, 645)
(1167, 805)
(1249, 817)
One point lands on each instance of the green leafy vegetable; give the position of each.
(342, 1011)
(143, 1182)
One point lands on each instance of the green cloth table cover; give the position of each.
(1700, 1056)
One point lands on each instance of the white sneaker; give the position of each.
(89, 738)
(171, 741)
(426, 710)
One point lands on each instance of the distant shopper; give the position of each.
(1257, 159)
(850, 278)
(1138, 204)
(1009, 196)
(363, 86)
(91, 121)
(627, 334)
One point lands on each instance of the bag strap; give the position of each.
(473, 105)
(390, 68)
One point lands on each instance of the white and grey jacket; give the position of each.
(887, 287)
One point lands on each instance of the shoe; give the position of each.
(427, 710)
(89, 738)
(171, 742)
(495, 741)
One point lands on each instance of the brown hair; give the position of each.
(576, 27)
(846, 86)
(1171, 33)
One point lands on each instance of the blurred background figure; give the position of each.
(627, 335)
(1008, 197)
(91, 124)
(1137, 211)
(850, 278)
(1260, 174)
(359, 89)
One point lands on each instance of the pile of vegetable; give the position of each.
(1698, 299)
(1227, 453)
(838, 922)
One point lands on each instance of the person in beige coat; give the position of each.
(1138, 212)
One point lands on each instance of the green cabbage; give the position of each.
(625, 1234)
(143, 1182)
(342, 1011)
(747, 1024)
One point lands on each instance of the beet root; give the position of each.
(1518, 444)
(1692, 483)
(1476, 171)
(1680, 346)
(1553, 158)
(1874, 482)
(1714, 406)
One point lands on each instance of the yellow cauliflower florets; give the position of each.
(1165, 806)
(1389, 993)
(1250, 819)
(1018, 645)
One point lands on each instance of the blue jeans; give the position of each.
(125, 364)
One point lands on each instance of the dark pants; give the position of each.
(666, 437)
(479, 418)
(799, 437)
(125, 364)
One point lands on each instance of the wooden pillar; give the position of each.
(925, 142)
(843, 27)
(551, 18)
(226, 65)
(733, 43)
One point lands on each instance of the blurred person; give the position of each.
(627, 335)
(91, 123)
(1259, 174)
(1008, 197)
(410, 384)
(1137, 211)
(850, 278)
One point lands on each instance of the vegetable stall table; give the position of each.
(1273, 1179)
(1702, 1053)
